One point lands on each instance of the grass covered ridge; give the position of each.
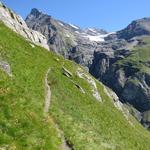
(86, 123)
(139, 57)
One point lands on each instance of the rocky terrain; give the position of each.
(68, 40)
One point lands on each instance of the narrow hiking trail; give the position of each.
(64, 145)
(47, 93)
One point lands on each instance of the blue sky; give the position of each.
(111, 15)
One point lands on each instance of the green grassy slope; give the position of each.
(86, 123)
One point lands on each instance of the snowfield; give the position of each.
(98, 38)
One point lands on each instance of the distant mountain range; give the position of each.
(66, 39)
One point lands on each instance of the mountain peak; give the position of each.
(35, 12)
(136, 28)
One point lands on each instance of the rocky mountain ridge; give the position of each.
(136, 28)
(67, 39)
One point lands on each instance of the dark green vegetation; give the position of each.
(86, 123)
(139, 57)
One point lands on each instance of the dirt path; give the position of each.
(47, 93)
(64, 145)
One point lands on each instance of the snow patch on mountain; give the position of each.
(73, 26)
(92, 30)
(98, 38)
(61, 24)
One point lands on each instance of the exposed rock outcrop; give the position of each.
(92, 83)
(121, 107)
(5, 67)
(17, 24)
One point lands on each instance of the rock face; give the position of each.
(17, 24)
(67, 39)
